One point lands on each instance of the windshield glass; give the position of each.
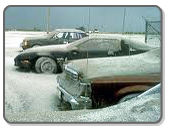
(77, 42)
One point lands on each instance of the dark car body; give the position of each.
(99, 82)
(58, 36)
(52, 57)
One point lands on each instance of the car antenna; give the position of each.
(87, 63)
(48, 20)
(87, 54)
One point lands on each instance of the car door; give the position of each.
(77, 52)
(89, 48)
(95, 48)
(112, 46)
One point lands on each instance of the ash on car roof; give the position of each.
(68, 30)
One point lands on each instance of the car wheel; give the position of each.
(45, 65)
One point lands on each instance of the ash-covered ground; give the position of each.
(32, 97)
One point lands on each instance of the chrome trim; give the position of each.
(86, 88)
(71, 73)
(76, 102)
(85, 84)
(69, 98)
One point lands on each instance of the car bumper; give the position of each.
(80, 102)
(22, 63)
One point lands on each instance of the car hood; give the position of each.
(50, 48)
(141, 64)
(37, 38)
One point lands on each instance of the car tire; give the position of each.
(45, 65)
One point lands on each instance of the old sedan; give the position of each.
(58, 36)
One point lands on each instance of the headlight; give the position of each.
(25, 42)
(71, 73)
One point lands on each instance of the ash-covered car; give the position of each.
(50, 59)
(58, 36)
(100, 82)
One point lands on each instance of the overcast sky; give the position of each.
(108, 19)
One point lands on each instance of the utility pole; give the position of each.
(124, 17)
(48, 20)
(89, 21)
(146, 24)
(87, 49)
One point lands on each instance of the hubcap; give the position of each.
(46, 67)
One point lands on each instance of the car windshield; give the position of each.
(77, 42)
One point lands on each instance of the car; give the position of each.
(50, 59)
(100, 82)
(58, 36)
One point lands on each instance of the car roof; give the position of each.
(132, 43)
(68, 30)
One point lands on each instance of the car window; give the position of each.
(73, 35)
(58, 35)
(66, 35)
(101, 44)
(79, 35)
(76, 36)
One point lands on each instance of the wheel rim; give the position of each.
(47, 67)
